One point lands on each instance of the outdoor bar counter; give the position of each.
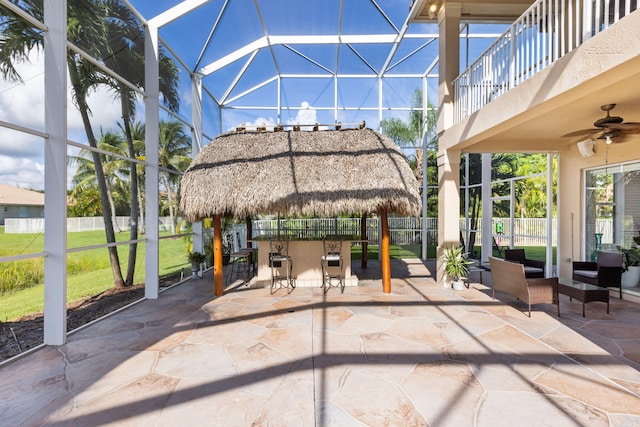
(306, 254)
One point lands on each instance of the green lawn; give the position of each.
(88, 272)
(395, 251)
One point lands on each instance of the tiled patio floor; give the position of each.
(420, 356)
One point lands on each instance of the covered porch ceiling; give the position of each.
(541, 128)
(474, 10)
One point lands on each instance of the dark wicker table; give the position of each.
(583, 292)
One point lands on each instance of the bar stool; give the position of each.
(252, 257)
(332, 260)
(281, 264)
(240, 261)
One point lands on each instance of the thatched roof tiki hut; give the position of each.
(324, 173)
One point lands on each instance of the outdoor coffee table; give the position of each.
(583, 292)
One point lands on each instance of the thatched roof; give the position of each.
(324, 173)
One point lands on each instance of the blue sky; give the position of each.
(304, 100)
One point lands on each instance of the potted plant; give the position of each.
(631, 274)
(455, 265)
(196, 258)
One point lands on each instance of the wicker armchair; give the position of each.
(605, 271)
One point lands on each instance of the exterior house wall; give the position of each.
(18, 211)
(571, 195)
(20, 203)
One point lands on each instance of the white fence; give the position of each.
(402, 230)
(408, 230)
(93, 223)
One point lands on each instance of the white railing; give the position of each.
(407, 230)
(548, 30)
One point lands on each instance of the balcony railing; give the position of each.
(548, 30)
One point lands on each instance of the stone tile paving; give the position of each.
(420, 356)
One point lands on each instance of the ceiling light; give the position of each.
(607, 140)
(433, 10)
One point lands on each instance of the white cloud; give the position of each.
(23, 104)
(269, 123)
(21, 172)
(305, 116)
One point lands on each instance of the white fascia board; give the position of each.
(329, 39)
(335, 39)
(292, 40)
(234, 56)
(370, 38)
(176, 12)
(307, 76)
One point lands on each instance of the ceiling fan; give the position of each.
(609, 127)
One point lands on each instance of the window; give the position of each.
(612, 207)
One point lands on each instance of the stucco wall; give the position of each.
(571, 193)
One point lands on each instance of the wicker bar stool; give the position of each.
(331, 264)
(281, 265)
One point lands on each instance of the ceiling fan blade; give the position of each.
(581, 133)
(631, 126)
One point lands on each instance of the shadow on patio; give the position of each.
(422, 355)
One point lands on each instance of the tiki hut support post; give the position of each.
(249, 232)
(365, 242)
(384, 251)
(217, 256)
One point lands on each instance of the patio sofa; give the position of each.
(509, 277)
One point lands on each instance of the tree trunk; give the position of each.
(112, 205)
(79, 97)
(141, 207)
(172, 219)
(133, 230)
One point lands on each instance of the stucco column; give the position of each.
(449, 61)
(448, 203)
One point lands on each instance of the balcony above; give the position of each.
(533, 87)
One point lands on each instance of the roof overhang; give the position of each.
(473, 10)
(564, 98)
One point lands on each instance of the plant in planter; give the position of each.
(196, 258)
(631, 275)
(455, 265)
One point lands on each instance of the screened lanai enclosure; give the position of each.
(104, 103)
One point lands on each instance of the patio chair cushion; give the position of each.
(592, 274)
(533, 271)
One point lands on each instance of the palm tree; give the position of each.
(114, 168)
(175, 150)
(124, 54)
(91, 22)
(411, 134)
(85, 28)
